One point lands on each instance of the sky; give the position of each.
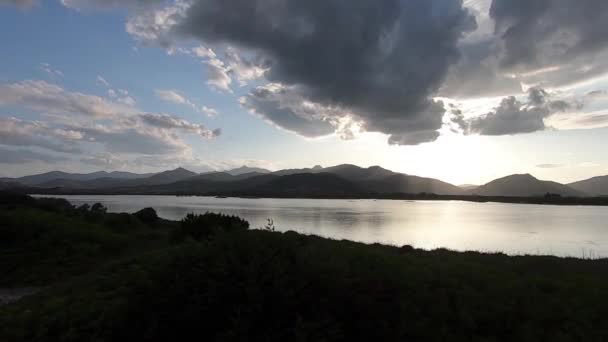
(463, 91)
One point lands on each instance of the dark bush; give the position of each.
(83, 208)
(57, 205)
(202, 227)
(147, 215)
(99, 208)
(13, 198)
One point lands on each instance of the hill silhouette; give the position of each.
(346, 180)
(596, 186)
(524, 185)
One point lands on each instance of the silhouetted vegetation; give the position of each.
(147, 215)
(203, 227)
(222, 282)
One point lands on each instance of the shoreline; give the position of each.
(559, 201)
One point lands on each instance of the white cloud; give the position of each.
(166, 121)
(127, 100)
(102, 81)
(78, 122)
(218, 75)
(50, 98)
(204, 52)
(49, 70)
(17, 132)
(174, 96)
(155, 26)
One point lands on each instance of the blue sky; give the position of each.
(88, 85)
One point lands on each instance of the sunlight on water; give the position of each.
(493, 227)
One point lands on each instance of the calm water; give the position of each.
(510, 228)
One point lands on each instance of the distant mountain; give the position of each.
(286, 172)
(400, 183)
(308, 184)
(224, 176)
(356, 173)
(246, 169)
(126, 175)
(336, 181)
(7, 184)
(596, 186)
(36, 180)
(379, 180)
(170, 176)
(342, 180)
(468, 187)
(524, 185)
(103, 182)
(376, 179)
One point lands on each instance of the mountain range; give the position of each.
(337, 181)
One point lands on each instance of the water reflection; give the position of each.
(509, 228)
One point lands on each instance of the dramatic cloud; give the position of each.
(540, 33)
(510, 117)
(549, 43)
(515, 117)
(380, 64)
(378, 61)
(288, 110)
(174, 96)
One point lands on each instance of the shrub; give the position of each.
(57, 205)
(147, 215)
(99, 208)
(202, 227)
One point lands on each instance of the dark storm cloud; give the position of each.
(287, 110)
(379, 61)
(512, 116)
(477, 73)
(545, 42)
(537, 32)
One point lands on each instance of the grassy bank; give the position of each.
(111, 277)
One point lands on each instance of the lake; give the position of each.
(579, 231)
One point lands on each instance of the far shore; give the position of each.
(541, 200)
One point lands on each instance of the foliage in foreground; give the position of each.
(243, 285)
